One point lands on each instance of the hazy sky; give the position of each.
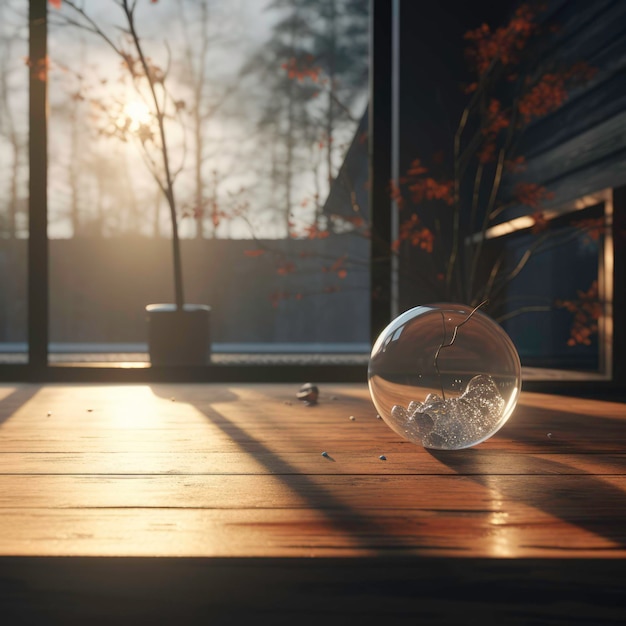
(99, 173)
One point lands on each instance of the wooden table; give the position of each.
(228, 487)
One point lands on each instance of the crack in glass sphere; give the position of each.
(444, 376)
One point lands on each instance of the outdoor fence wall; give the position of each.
(100, 287)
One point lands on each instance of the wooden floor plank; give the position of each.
(400, 459)
(237, 470)
(304, 533)
(564, 495)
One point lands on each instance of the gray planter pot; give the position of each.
(179, 337)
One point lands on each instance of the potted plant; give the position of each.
(178, 332)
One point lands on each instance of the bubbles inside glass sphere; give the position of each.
(444, 376)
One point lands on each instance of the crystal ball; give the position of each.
(444, 376)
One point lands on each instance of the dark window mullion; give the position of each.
(380, 146)
(37, 188)
(619, 294)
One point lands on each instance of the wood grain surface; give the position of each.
(225, 477)
(213, 470)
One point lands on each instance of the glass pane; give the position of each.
(487, 191)
(13, 181)
(554, 309)
(263, 105)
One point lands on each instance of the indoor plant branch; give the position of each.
(169, 183)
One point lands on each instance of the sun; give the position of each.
(137, 113)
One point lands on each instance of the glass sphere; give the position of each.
(444, 376)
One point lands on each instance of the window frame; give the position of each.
(606, 281)
(382, 127)
(39, 367)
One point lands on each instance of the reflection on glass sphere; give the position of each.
(445, 376)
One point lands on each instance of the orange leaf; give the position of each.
(416, 168)
(286, 268)
(540, 222)
(338, 263)
(593, 227)
(531, 194)
(587, 311)
(547, 95)
(431, 189)
(253, 253)
(417, 235)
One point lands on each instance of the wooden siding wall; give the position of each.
(581, 148)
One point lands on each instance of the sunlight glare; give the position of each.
(138, 113)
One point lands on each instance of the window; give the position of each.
(558, 309)
(265, 111)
